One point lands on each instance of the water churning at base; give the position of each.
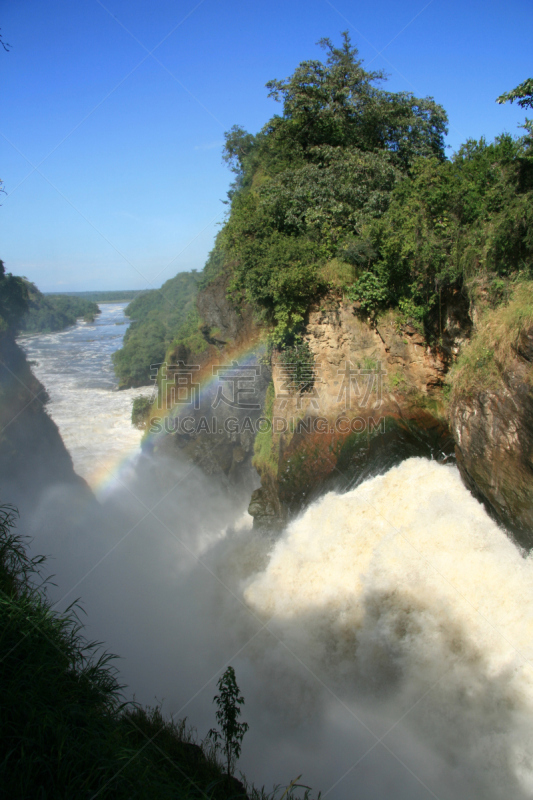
(405, 596)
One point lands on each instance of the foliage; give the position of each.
(352, 175)
(139, 410)
(65, 731)
(348, 191)
(339, 104)
(483, 362)
(214, 264)
(265, 457)
(314, 178)
(160, 318)
(298, 366)
(59, 700)
(48, 313)
(229, 702)
(13, 300)
(523, 94)
(110, 296)
(338, 274)
(448, 223)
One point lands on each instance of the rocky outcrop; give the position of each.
(375, 399)
(213, 430)
(224, 322)
(371, 396)
(493, 430)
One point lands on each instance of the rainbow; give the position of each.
(109, 476)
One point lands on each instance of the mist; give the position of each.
(382, 642)
(379, 642)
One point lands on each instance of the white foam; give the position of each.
(404, 588)
(94, 419)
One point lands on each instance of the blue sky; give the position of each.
(111, 156)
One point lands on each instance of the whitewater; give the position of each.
(383, 642)
(405, 591)
(92, 416)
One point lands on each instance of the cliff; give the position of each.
(32, 454)
(491, 413)
(189, 417)
(374, 399)
(358, 396)
(371, 396)
(352, 250)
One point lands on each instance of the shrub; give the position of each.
(139, 411)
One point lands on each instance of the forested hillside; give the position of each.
(13, 301)
(349, 190)
(159, 317)
(48, 313)
(107, 296)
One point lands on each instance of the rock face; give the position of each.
(338, 335)
(374, 401)
(224, 323)
(375, 398)
(493, 431)
(33, 457)
(215, 432)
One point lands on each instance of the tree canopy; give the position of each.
(13, 300)
(315, 177)
(47, 313)
(523, 94)
(348, 190)
(159, 318)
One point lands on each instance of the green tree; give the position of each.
(230, 737)
(313, 180)
(13, 300)
(523, 94)
(160, 318)
(338, 103)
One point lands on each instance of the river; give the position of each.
(93, 417)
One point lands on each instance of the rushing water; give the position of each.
(384, 642)
(75, 367)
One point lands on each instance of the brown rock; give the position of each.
(494, 446)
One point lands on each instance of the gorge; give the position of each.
(330, 487)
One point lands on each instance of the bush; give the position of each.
(493, 347)
(139, 411)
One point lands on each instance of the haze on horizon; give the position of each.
(114, 114)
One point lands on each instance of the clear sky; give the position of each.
(114, 112)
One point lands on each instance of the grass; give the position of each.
(492, 351)
(265, 459)
(337, 274)
(65, 730)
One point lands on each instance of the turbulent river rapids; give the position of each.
(383, 643)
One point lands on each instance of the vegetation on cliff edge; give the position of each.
(159, 318)
(500, 338)
(349, 191)
(47, 313)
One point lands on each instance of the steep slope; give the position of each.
(491, 412)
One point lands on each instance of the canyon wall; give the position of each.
(371, 395)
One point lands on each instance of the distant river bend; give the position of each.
(94, 419)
